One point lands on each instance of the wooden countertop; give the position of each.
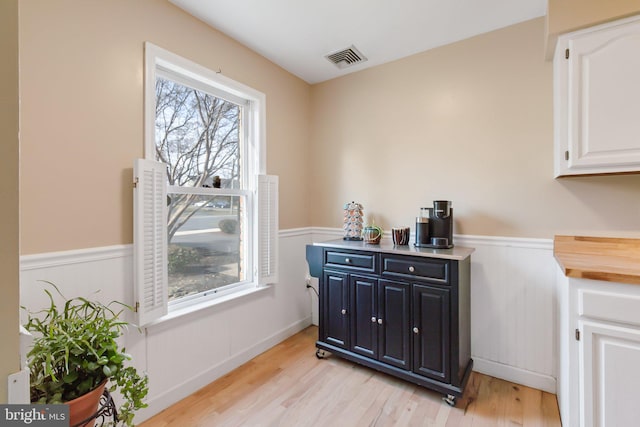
(612, 259)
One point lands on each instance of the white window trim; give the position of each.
(182, 311)
(160, 62)
(158, 57)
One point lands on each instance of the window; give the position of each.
(205, 216)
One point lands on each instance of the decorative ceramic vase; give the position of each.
(353, 219)
(400, 235)
(372, 234)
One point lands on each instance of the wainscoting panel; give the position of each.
(513, 309)
(104, 273)
(183, 354)
(513, 306)
(512, 312)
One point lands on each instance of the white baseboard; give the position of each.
(191, 385)
(515, 375)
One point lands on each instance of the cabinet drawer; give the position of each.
(362, 261)
(432, 269)
(609, 306)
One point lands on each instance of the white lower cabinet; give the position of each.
(610, 374)
(599, 353)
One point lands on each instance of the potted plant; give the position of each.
(75, 351)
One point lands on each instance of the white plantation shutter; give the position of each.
(267, 229)
(150, 240)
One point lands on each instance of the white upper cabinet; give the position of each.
(597, 100)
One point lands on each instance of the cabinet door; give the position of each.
(335, 325)
(598, 99)
(364, 307)
(431, 332)
(394, 314)
(609, 374)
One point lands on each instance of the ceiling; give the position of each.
(297, 34)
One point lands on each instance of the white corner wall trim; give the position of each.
(515, 242)
(79, 256)
(76, 256)
(324, 233)
(515, 375)
(320, 234)
(295, 232)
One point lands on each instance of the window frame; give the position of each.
(255, 123)
(162, 63)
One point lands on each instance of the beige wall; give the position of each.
(564, 16)
(9, 219)
(82, 114)
(471, 122)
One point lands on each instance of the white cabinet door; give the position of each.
(597, 100)
(609, 375)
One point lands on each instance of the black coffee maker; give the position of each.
(434, 226)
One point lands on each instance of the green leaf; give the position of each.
(107, 370)
(85, 386)
(70, 377)
(117, 358)
(56, 398)
(77, 351)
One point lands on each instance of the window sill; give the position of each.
(194, 308)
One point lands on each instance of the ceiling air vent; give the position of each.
(346, 57)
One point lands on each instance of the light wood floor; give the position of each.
(289, 386)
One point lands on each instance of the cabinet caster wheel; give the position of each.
(450, 400)
(320, 354)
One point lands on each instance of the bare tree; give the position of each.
(197, 136)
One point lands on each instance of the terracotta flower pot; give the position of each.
(85, 406)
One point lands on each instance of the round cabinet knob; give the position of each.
(411, 269)
(344, 311)
(373, 320)
(416, 330)
(379, 321)
(347, 260)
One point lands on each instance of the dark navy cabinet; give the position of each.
(394, 323)
(402, 311)
(335, 315)
(431, 345)
(380, 320)
(364, 312)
